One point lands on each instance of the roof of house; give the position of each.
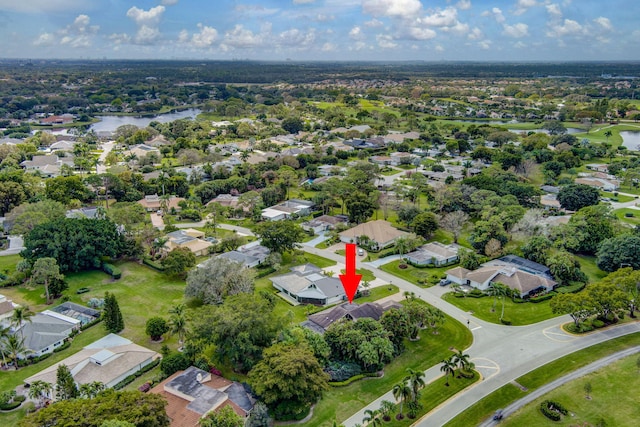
(247, 255)
(104, 360)
(153, 201)
(308, 281)
(435, 250)
(193, 393)
(45, 329)
(379, 230)
(322, 320)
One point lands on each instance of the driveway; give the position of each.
(106, 149)
(16, 245)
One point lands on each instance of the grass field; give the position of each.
(428, 276)
(534, 379)
(519, 314)
(613, 399)
(633, 220)
(589, 267)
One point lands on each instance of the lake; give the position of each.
(570, 131)
(631, 139)
(111, 123)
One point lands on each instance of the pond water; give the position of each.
(631, 139)
(570, 131)
(488, 122)
(111, 123)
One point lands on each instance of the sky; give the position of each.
(378, 30)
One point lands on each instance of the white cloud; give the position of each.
(441, 18)
(45, 39)
(169, 2)
(417, 33)
(523, 5)
(374, 23)
(121, 38)
(303, 1)
(496, 13)
(519, 45)
(464, 4)
(485, 44)
(356, 33)
(205, 38)
(297, 38)
(385, 41)
(183, 36)
(475, 34)
(554, 10)
(241, 38)
(329, 47)
(147, 22)
(439, 48)
(392, 8)
(323, 17)
(603, 22)
(516, 31)
(79, 34)
(568, 27)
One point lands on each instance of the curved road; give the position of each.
(501, 353)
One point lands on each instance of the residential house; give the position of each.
(550, 201)
(320, 322)
(6, 308)
(323, 223)
(250, 255)
(434, 253)
(45, 332)
(189, 238)
(401, 158)
(523, 276)
(142, 150)
(598, 167)
(329, 170)
(287, 209)
(154, 202)
(87, 212)
(381, 160)
(307, 284)
(63, 145)
(48, 166)
(381, 234)
(57, 120)
(599, 183)
(76, 311)
(193, 393)
(109, 360)
(226, 200)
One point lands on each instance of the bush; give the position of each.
(112, 270)
(347, 381)
(341, 371)
(597, 323)
(553, 410)
(82, 291)
(476, 293)
(153, 264)
(541, 298)
(173, 363)
(505, 322)
(64, 346)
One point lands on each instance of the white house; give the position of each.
(306, 284)
(45, 332)
(286, 209)
(434, 253)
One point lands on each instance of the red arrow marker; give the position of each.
(350, 280)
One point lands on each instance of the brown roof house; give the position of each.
(381, 234)
(189, 238)
(319, 322)
(109, 360)
(154, 202)
(521, 275)
(193, 393)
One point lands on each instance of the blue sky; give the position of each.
(429, 30)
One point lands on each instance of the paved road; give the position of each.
(501, 353)
(578, 373)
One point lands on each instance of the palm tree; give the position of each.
(386, 408)
(401, 391)
(40, 390)
(372, 417)
(494, 291)
(402, 245)
(20, 315)
(607, 134)
(415, 380)
(4, 334)
(449, 368)
(461, 360)
(91, 390)
(15, 346)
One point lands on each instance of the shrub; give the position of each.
(347, 381)
(541, 298)
(153, 264)
(173, 363)
(112, 270)
(553, 410)
(341, 371)
(83, 290)
(476, 293)
(597, 323)
(505, 321)
(64, 346)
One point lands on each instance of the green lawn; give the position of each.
(424, 277)
(621, 197)
(519, 314)
(634, 220)
(341, 402)
(543, 375)
(613, 399)
(588, 265)
(8, 263)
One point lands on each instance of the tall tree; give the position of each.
(66, 387)
(40, 390)
(280, 236)
(448, 368)
(28, 215)
(288, 378)
(179, 261)
(425, 224)
(415, 380)
(225, 417)
(401, 392)
(217, 279)
(44, 272)
(454, 222)
(113, 320)
(577, 196)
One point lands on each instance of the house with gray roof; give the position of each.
(45, 332)
(320, 322)
(434, 253)
(307, 284)
(248, 255)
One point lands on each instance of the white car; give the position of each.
(360, 252)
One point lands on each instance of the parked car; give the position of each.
(360, 252)
(444, 282)
(498, 415)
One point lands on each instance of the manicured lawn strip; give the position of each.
(319, 261)
(621, 197)
(519, 314)
(613, 399)
(634, 220)
(588, 265)
(377, 293)
(543, 375)
(342, 402)
(414, 274)
(11, 379)
(9, 263)
(12, 418)
(433, 395)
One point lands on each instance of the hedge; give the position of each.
(552, 410)
(112, 270)
(90, 324)
(153, 264)
(353, 379)
(128, 380)
(541, 298)
(64, 346)
(265, 272)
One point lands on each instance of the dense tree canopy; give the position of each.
(140, 409)
(574, 197)
(618, 252)
(280, 236)
(288, 378)
(217, 279)
(26, 216)
(76, 244)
